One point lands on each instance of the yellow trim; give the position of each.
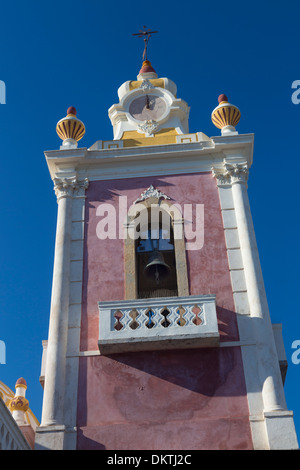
(162, 137)
(157, 82)
(6, 389)
(19, 404)
(29, 412)
(21, 385)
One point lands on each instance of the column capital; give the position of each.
(238, 172)
(231, 173)
(69, 187)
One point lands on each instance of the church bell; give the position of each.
(156, 268)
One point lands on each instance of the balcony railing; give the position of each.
(158, 323)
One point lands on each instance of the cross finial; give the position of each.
(145, 34)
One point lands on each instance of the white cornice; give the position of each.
(151, 160)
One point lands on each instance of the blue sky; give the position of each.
(58, 54)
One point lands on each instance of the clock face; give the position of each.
(147, 107)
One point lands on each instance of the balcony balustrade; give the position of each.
(158, 323)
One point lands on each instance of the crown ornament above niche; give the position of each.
(151, 192)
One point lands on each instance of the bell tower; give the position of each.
(160, 335)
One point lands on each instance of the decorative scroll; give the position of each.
(19, 404)
(231, 173)
(151, 192)
(148, 127)
(237, 172)
(69, 187)
(146, 85)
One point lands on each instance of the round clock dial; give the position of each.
(147, 107)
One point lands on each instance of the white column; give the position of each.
(53, 402)
(272, 387)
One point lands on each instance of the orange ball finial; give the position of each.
(222, 97)
(71, 110)
(225, 116)
(70, 127)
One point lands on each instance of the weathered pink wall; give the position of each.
(182, 400)
(160, 400)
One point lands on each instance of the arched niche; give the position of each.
(139, 214)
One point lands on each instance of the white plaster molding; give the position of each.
(146, 85)
(126, 162)
(222, 177)
(231, 173)
(66, 186)
(151, 192)
(237, 172)
(148, 127)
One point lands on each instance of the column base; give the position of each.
(281, 430)
(274, 430)
(55, 437)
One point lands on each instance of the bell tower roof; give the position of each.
(147, 71)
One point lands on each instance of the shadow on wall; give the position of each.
(159, 390)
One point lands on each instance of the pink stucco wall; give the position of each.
(160, 400)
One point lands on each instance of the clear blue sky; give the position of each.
(58, 54)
